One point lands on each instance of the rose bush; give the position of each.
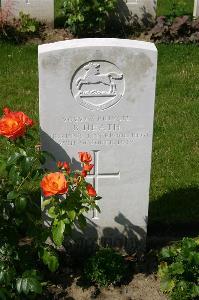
(67, 197)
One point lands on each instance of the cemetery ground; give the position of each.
(174, 206)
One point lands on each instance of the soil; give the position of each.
(141, 287)
(141, 282)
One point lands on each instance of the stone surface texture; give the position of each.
(97, 95)
(42, 10)
(141, 10)
(196, 9)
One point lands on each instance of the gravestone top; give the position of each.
(142, 11)
(41, 10)
(97, 95)
(95, 42)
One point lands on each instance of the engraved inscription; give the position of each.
(98, 85)
(96, 176)
(98, 130)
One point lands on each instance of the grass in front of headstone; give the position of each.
(179, 7)
(175, 177)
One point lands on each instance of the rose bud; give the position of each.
(59, 164)
(84, 173)
(90, 190)
(88, 167)
(85, 157)
(66, 166)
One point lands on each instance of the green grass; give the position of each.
(179, 7)
(175, 176)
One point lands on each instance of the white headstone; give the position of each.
(142, 10)
(196, 9)
(97, 95)
(42, 10)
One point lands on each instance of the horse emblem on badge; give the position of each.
(98, 85)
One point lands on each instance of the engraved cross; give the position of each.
(96, 176)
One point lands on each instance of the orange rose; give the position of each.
(90, 190)
(13, 124)
(88, 167)
(54, 184)
(84, 173)
(85, 157)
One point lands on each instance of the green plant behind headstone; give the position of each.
(87, 15)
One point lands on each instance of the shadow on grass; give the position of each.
(173, 216)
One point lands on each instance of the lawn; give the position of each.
(177, 7)
(175, 178)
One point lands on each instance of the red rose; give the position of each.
(13, 124)
(85, 157)
(90, 190)
(54, 184)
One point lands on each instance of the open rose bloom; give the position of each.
(64, 181)
(54, 184)
(14, 124)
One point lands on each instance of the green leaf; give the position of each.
(44, 155)
(98, 198)
(14, 175)
(12, 195)
(21, 203)
(50, 259)
(82, 221)
(7, 275)
(195, 258)
(71, 215)
(195, 291)
(167, 284)
(46, 202)
(32, 28)
(14, 158)
(97, 208)
(176, 268)
(168, 252)
(52, 212)
(22, 152)
(4, 294)
(58, 233)
(26, 165)
(29, 282)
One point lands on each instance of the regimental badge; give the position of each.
(98, 85)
